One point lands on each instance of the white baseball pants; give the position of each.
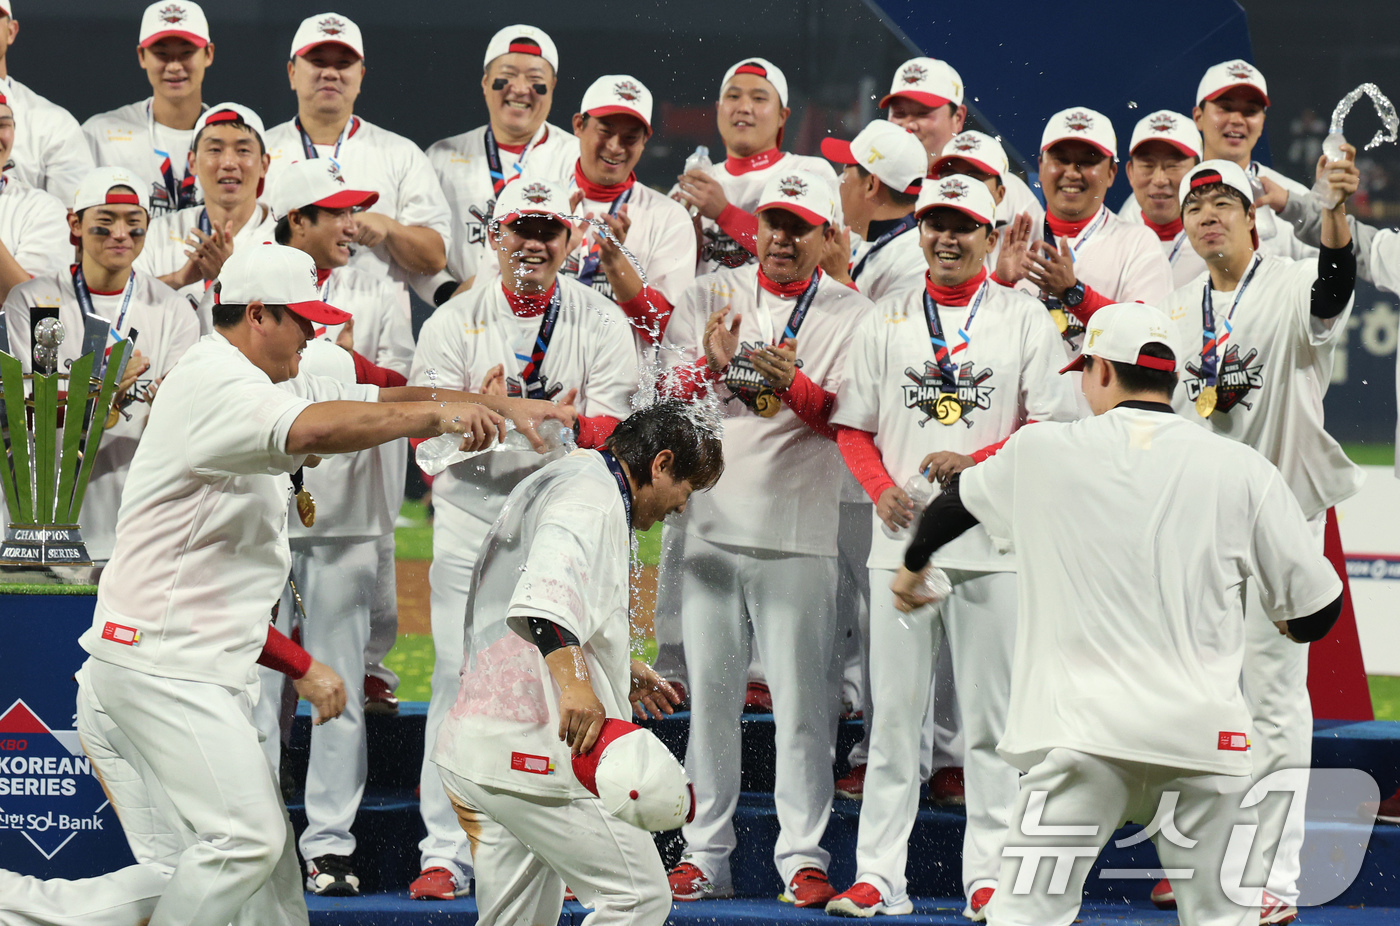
(1070, 789)
(979, 622)
(853, 605)
(526, 849)
(784, 603)
(670, 646)
(383, 614)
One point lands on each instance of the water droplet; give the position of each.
(1132, 105)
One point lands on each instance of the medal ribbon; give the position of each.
(1176, 247)
(799, 311)
(904, 225)
(85, 296)
(946, 365)
(530, 375)
(589, 268)
(1053, 302)
(616, 469)
(493, 158)
(180, 192)
(346, 133)
(1210, 344)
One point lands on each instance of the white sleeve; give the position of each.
(43, 246)
(66, 157)
(988, 490)
(554, 582)
(1147, 274)
(684, 336)
(1046, 395)
(440, 353)
(673, 263)
(17, 325)
(421, 201)
(612, 371)
(1311, 330)
(858, 400)
(395, 341)
(244, 432)
(1385, 259)
(1294, 579)
(182, 333)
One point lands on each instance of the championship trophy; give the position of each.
(51, 424)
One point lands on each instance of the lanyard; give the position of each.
(493, 158)
(615, 468)
(799, 311)
(1210, 344)
(204, 224)
(1176, 247)
(941, 353)
(530, 375)
(85, 297)
(589, 268)
(180, 192)
(904, 225)
(309, 146)
(1053, 302)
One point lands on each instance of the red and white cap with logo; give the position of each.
(637, 778)
(522, 40)
(800, 192)
(981, 151)
(1120, 331)
(1084, 125)
(1226, 76)
(316, 182)
(97, 186)
(618, 93)
(760, 67)
(928, 81)
(1214, 171)
(532, 196)
(891, 153)
(965, 194)
(275, 275)
(174, 18)
(327, 29)
(1173, 128)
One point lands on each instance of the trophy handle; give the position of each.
(14, 471)
(116, 367)
(75, 423)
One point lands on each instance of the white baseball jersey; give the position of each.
(392, 166)
(1276, 236)
(1008, 374)
(1018, 199)
(591, 350)
(781, 484)
(170, 240)
(130, 137)
(1385, 273)
(49, 151)
(742, 186)
(559, 551)
(346, 506)
(1186, 264)
(881, 269)
(462, 168)
(1215, 514)
(202, 549)
(166, 328)
(34, 227)
(1273, 369)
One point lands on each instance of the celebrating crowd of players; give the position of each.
(864, 330)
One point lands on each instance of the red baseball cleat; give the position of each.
(864, 900)
(852, 787)
(1162, 896)
(808, 888)
(688, 882)
(378, 698)
(1276, 912)
(946, 786)
(757, 700)
(436, 884)
(977, 904)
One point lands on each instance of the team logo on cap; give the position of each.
(792, 187)
(626, 90)
(1162, 123)
(953, 188)
(966, 143)
(1239, 70)
(335, 173)
(1235, 380)
(172, 14)
(1079, 121)
(925, 392)
(331, 25)
(536, 193)
(914, 74)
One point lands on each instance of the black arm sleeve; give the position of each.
(1317, 625)
(444, 292)
(549, 636)
(944, 520)
(1336, 279)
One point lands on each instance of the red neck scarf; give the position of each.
(786, 290)
(1062, 229)
(513, 149)
(322, 276)
(738, 165)
(531, 305)
(1166, 232)
(596, 191)
(954, 295)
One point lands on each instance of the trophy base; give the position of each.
(43, 545)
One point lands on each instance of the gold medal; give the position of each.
(1205, 402)
(1060, 319)
(113, 417)
(306, 507)
(767, 403)
(948, 410)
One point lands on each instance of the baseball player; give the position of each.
(33, 224)
(954, 367)
(404, 237)
(187, 248)
(1257, 334)
(769, 342)
(49, 150)
(1232, 102)
(539, 336)
(976, 154)
(548, 613)
(518, 80)
(335, 559)
(1164, 146)
(109, 220)
(1114, 737)
(1088, 257)
(152, 138)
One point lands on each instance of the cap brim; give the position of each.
(198, 41)
(949, 158)
(835, 149)
(301, 52)
(321, 312)
(1075, 365)
(348, 199)
(1228, 87)
(1088, 141)
(619, 111)
(965, 210)
(918, 96)
(802, 211)
(1179, 146)
(526, 213)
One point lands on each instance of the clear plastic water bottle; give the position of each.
(438, 453)
(698, 160)
(937, 585)
(1322, 190)
(920, 492)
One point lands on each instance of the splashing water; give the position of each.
(1332, 144)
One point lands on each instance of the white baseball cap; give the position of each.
(1120, 331)
(6, 7)
(760, 67)
(1228, 75)
(893, 154)
(979, 149)
(1216, 171)
(532, 196)
(522, 40)
(227, 112)
(618, 93)
(928, 81)
(275, 275)
(968, 196)
(177, 18)
(637, 778)
(800, 192)
(1173, 128)
(96, 187)
(1083, 124)
(327, 29)
(316, 182)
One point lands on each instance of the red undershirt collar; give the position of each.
(954, 295)
(786, 290)
(1166, 232)
(596, 191)
(738, 165)
(513, 149)
(528, 306)
(322, 276)
(1062, 229)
